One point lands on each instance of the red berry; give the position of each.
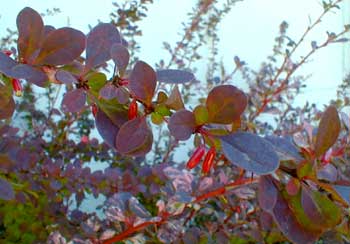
(196, 157)
(208, 160)
(17, 87)
(7, 52)
(132, 113)
(94, 109)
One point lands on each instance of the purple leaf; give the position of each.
(74, 101)
(61, 46)
(182, 124)
(285, 148)
(134, 138)
(109, 91)
(30, 33)
(174, 76)
(65, 77)
(328, 172)
(122, 95)
(267, 193)
(250, 152)
(143, 82)
(48, 29)
(120, 56)
(99, 42)
(6, 191)
(107, 127)
(6, 64)
(136, 207)
(29, 73)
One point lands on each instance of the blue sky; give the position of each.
(248, 31)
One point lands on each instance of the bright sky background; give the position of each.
(248, 31)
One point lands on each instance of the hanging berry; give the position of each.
(132, 113)
(17, 87)
(208, 160)
(196, 157)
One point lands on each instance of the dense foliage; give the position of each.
(245, 180)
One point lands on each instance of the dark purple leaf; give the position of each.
(120, 56)
(284, 148)
(267, 193)
(65, 77)
(174, 76)
(74, 101)
(288, 224)
(143, 82)
(135, 138)
(99, 42)
(250, 152)
(225, 104)
(29, 73)
(6, 64)
(61, 46)
(30, 33)
(175, 100)
(6, 191)
(48, 29)
(182, 124)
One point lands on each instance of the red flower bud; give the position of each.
(94, 109)
(132, 113)
(17, 88)
(196, 157)
(208, 160)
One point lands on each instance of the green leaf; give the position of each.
(328, 131)
(201, 114)
(225, 104)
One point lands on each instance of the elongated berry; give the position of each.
(196, 157)
(132, 112)
(94, 109)
(208, 160)
(17, 87)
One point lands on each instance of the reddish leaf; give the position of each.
(143, 82)
(120, 56)
(174, 76)
(250, 152)
(48, 29)
(99, 42)
(6, 190)
(328, 131)
(7, 109)
(175, 100)
(74, 101)
(225, 104)
(65, 77)
(109, 128)
(30, 33)
(135, 138)
(61, 46)
(182, 124)
(267, 193)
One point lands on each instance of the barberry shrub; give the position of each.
(245, 182)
